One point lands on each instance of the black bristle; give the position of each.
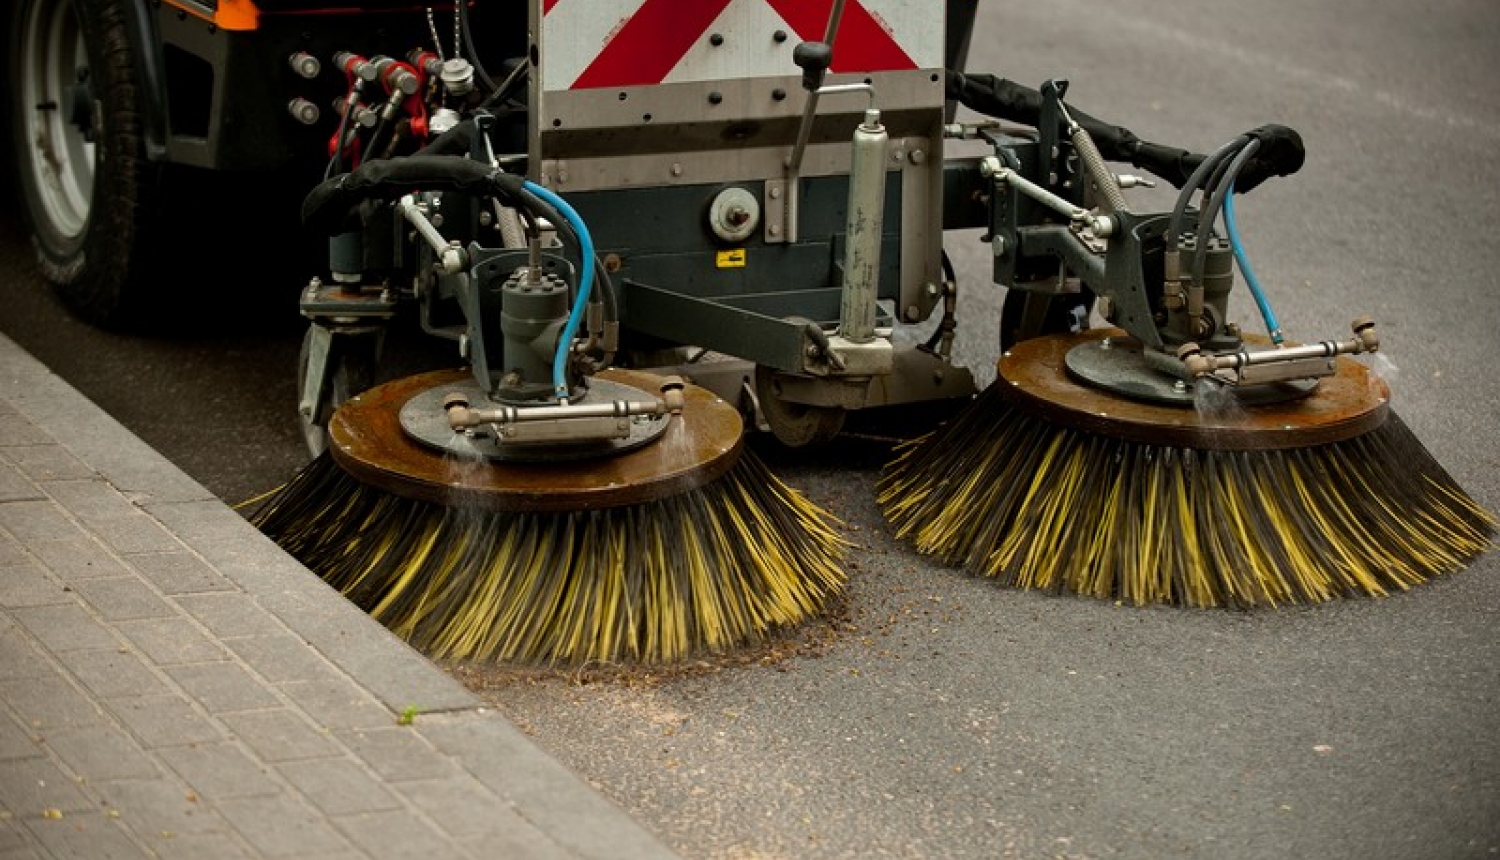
(1011, 496)
(704, 571)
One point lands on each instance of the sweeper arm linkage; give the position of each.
(1065, 237)
(761, 221)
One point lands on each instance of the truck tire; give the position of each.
(86, 189)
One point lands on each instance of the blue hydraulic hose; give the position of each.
(585, 284)
(1273, 326)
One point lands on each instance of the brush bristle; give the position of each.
(704, 571)
(1036, 505)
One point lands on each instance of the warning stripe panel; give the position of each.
(650, 43)
(647, 42)
(861, 45)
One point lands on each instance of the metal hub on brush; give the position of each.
(425, 418)
(396, 437)
(1096, 382)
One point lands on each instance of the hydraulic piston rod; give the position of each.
(862, 242)
(1200, 364)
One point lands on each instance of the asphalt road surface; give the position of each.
(942, 717)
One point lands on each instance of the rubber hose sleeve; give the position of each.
(1281, 152)
(330, 206)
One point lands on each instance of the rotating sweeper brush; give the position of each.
(658, 542)
(1054, 481)
(1169, 458)
(538, 507)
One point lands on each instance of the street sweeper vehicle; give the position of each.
(648, 227)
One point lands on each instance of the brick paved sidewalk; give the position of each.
(173, 685)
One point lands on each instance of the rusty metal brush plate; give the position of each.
(1034, 377)
(367, 441)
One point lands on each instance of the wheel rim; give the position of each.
(60, 158)
(795, 425)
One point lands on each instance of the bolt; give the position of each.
(778, 94)
(716, 40)
(715, 97)
(676, 169)
(779, 36)
(305, 64)
(775, 193)
(303, 111)
(917, 156)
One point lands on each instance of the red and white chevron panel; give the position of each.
(590, 44)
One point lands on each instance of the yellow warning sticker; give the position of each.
(734, 259)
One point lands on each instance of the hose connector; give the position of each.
(1364, 330)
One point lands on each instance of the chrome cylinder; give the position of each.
(862, 239)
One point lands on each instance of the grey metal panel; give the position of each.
(738, 332)
(732, 101)
(660, 236)
(921, 222)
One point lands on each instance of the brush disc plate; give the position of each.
(1035, 377)
(367, 440)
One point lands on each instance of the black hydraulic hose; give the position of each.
(383, 130)
(516, 75)
(1210, 213)
(1206, 193)
(332, 203)
(468, 34)
(1193, 183)
(336, 163)
(535, 206)
(1281, 151)
(458, 140)
(1008, 100)
(608, 297)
